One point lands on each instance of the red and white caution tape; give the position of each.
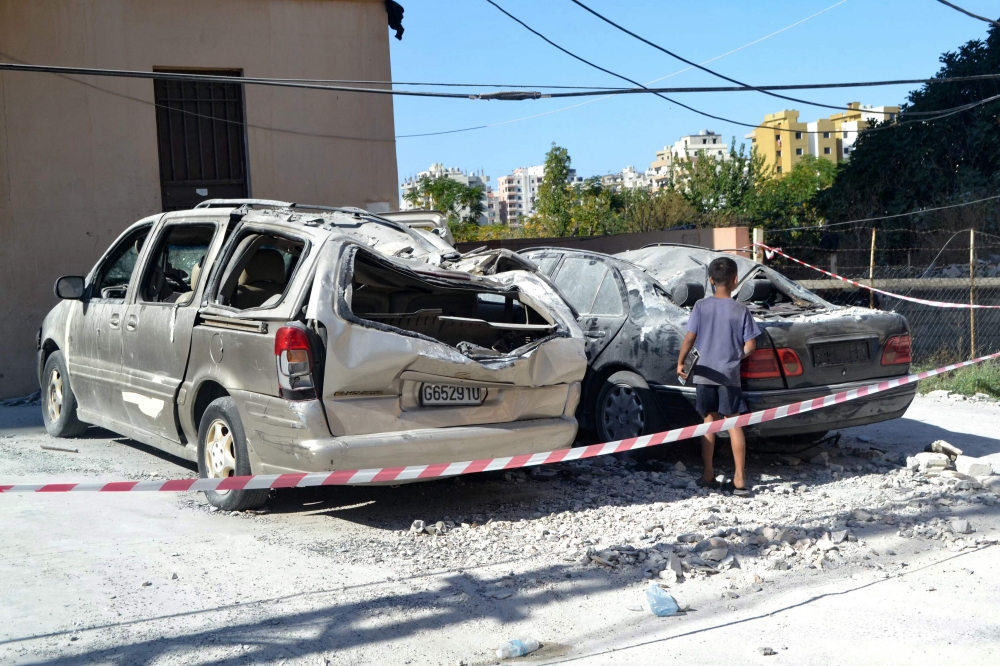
(389, 474)
(771, 251)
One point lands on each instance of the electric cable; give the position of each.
(702, 67)
(884, 217)
(968, 13)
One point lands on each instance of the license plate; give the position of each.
(841, 353)
(443, 395)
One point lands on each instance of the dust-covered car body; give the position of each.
(342, 339)
(634, 307)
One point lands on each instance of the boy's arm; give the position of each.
(749, 347)
(686, 349)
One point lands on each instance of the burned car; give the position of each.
(633, 308)
(263, 337)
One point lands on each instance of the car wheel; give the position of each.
(626, 408)
(222, 452)
(58, 400)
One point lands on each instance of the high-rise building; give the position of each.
(783, 140)
(437, 170)
(706, 142)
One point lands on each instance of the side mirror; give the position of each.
(70, 287)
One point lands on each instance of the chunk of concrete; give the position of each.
(961, 526)
(940, 394)
(932, 461)
(973, 466)
(941, 446)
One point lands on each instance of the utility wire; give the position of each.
(884, 217)
(968, 13)
(702, 67)
(943, 113)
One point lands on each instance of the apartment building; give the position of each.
(437, 170)
(661, 171)
(783, 140)
(517, 193)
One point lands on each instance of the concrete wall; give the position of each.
(729, 238)
(78, 155)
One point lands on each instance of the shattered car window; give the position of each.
(609, 300)
(116, 273)
(175, 269)
(579, 278)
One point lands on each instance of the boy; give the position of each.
(725, 334)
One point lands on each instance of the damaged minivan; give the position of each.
(633, 308)
(262, 337)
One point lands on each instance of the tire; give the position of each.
(58, 400)
(222, 452)
(626, 407)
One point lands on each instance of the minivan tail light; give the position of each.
(897, 350)
(294, 357)
(761, 364)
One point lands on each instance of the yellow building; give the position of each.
(782, 140)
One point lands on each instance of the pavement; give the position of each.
(333, 575)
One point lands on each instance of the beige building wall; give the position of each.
(79, 157)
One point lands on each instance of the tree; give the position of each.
(642, 210)
(462, 204)
(922, 162)
(718, 187)
(554, 194)
(790, 201)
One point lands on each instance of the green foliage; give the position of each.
(982, 378)
(642, 210)
(788, 202)
(727, 186)
(463, 204)
(555, 197)
(923, 164)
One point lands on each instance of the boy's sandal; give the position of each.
(713, 484)
(738, 492)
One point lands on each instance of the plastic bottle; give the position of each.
(518, 648)
(660, 603)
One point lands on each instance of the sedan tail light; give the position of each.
(897, 350)
(294, 356)
(763, 364)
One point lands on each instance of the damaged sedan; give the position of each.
(261, 337)
(633, 308)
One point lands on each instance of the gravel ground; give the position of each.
(853, 551)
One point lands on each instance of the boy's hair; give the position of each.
(722, 270)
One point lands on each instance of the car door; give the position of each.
(94, 356)
(160, 317)
(593, 288)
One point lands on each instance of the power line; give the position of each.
(968, 13)
(943, 112)
(696, 65)
(604, 97)
(885, 217)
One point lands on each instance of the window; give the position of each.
(715, 140)
(798, 135)
(777, 137)
(826, 135)
(546, 262)
(847, 151)
(609, 298)
(111, 280)
(259, 271)
(826, 151)
(779, 169)
(175, 269)
(798, 151)
(777, 153)
(579, 279)
(704, 141)
(845, 135)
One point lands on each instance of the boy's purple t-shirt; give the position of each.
(722, 325)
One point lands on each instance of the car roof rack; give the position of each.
(274, 203)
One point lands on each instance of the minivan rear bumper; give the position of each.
(678, 405)
(418, 447)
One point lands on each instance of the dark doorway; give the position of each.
(201, 132)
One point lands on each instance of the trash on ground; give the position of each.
(659, 601)
(518, 648)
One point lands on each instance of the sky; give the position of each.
(470, 41)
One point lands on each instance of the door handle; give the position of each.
(131, 323)
(116, 320)
(595, 334)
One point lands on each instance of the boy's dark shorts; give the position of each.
(725, 400)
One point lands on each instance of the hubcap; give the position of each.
(623, 414)
(55, 395)
(220, 451)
